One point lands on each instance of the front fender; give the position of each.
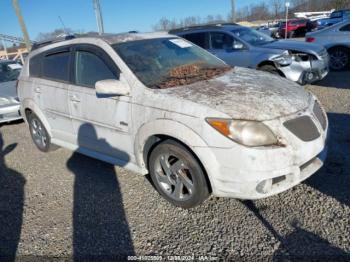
(180, 132)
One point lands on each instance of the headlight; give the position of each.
(248, 133)
(284, 60)
(302, 57)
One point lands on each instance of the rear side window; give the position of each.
(199, 39)
(35, 66)
(56, 66)
(345, 28)
(90, 68)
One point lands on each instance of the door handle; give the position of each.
(74, 98)
(37, 90)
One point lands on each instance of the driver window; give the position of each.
(90, 68)
(221, 41)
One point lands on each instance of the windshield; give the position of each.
(9, 71)
(169, 62)
(252, 37)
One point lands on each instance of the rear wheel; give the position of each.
(339, 58)
(177, 175)
(40, 136)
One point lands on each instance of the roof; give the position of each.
(109, 38)
(226, 26)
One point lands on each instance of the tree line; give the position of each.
(265, 10)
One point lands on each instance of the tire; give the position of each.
(177, 175)
(269, 68)
(339, 58)
(39, 134)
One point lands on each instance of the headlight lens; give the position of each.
(284, 60)
(248, 133)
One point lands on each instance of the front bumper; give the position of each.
(268, 183)
(253, 173)
(306, 72)
(9, 113)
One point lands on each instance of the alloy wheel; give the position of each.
(39, 133)
(174, 177)
(339, 59)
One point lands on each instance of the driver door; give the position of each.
(229, 49)
(101, 124)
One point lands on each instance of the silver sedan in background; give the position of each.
(244, 47)
(336, 39)
(9, 103)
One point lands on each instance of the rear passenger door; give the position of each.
(101, 123)
(51, 80)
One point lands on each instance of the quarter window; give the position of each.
(35, 66)
(90, 68)
(198, 39)
(56, 66)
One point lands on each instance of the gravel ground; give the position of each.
(66, 205)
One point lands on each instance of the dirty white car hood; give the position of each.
(246, 94)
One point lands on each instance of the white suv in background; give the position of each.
(157, 104)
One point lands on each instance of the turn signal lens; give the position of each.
(221, 125)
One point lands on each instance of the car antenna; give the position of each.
(63, 25)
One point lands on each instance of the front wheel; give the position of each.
(177, 175)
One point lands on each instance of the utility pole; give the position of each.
(99, 18)
(233, 10)
(286, 29)
(22, 24)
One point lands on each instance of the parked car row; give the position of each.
(245, 47)
(298, 27)
(158, 104)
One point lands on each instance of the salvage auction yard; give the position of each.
(73, 205)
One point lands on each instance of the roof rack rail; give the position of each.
(205, 26)
(52, 41)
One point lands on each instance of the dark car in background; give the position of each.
(336, 17)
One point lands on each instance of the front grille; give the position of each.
(320, 115)
(303, 127)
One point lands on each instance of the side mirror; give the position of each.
(111, 87)
(237, 46)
